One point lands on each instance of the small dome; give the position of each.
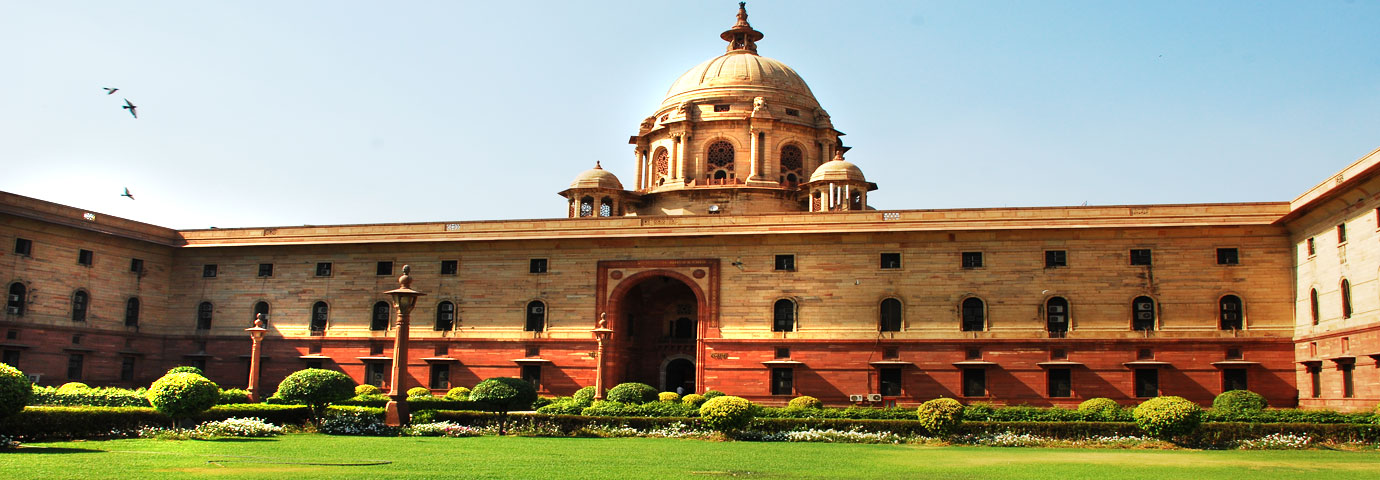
(837, 170)
(596, 177)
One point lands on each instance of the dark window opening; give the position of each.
(783, 316)
(721, 108)
(1057, 316)
(532, 351)
(320, 315)
(1234, 353)
(782, 381)
(1060, 382)
(1315, 376)
(1341, 233)
(379, 321)
(441, 349)
(783, 352)
(132, 312)
(323, 269)
(375, 348)
(1231, 312)
(450, 267)
(208, 270)
(972, 259)
(203, 316)
(80, 300)
(1346, 298)
(974, 382)
(1348, 386)
(375, 373)
(11, 358)
(261, 312)
(1143, 313)
(314, 364)
(23, 246)
(265, 269)
(1313, 305)
(15, 301)
(445, 316)
(1234, 379)
(383, 268)
(136, 265)
(85, 257)
(440, 376)
(889, 379)
(891, 353)
(973, 315)
(1058, 354)
(74, 364)
(891, 260)
(536, 317)
(532, 374)
(1147, 383)
(1228, 256)
(890, 320)
(1311, 247)
(683, 328)
(972, 354)
(1140, 256)
(127, 369)
(785, 263)
(1056, 258)
(537, 265)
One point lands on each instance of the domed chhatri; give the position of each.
(737, 134)
(837, 170)
(838, 186)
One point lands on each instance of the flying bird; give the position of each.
(130, 107)
(110, 91)
(127, 194)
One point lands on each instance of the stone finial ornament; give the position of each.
(406, 280)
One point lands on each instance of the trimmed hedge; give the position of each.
(233, 396)
(69, 423)
(90, 397)
(1239, 401)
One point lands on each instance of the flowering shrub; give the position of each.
(1167, 416)
(316, 388)
(632, 392)
(418, 392)
(805, 401)
(1239, 401)
(355, 421)
(708, 394)
(694, 400)
(90, 397)
(185, 369)
(183, 394)
(940, 416)
(72, 387)
(440, 429)
(367, 389)
(1101, 409)
(830, 435)
(233, 396)
(237, 427)
(727, 413)
(458, 393)
(1278, 441)
(15, 391)
(584, 396)
(668, 397)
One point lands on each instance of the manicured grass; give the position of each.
(523, 457)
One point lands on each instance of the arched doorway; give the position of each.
(656, 327)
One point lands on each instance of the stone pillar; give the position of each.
(756, 169)
(677, 159)
(641, 162)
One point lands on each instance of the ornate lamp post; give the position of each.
(404, 298)
(256, 334)
(601, 333)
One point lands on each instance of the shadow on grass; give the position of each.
(52, 450)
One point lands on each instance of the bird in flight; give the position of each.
(127, 194)
(130, 107)
(110, 91)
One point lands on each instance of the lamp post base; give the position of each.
(396, 414)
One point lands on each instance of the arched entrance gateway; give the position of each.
(660, 312)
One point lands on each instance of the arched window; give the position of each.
(974, 313)
(445, 316)
(132, 312)
(855, 200)
(783, 316)
(261, 308)
(1346, 298)
(792, 165)
(586, 206)
(1313, 304)
(890, 320)
(14, 303)
(683, 328)
(1143, 313)
(815, 202)
(320, 315)
(80, 300)
(536, 317)
(1231, 312)
(605, 207)
(1057, 316)
(720, 158)
(379, 320)
(661, 165)
(203, 316)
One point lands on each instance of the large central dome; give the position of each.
(741, 72)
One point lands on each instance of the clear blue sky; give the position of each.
(313, 112)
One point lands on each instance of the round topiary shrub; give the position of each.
(584, 396)
(727, 413)
(15, 390)
(502, 395)
(940, 416)
(632, 393)
(695, 400)
(1100, 409)
(713, 393)
(316, 388)
(368, 389)
(1239, 401)
(71, 387)
(418, 392)
(805, 401)
(1167, 416)
(181, 395)
(186, 369)
(671, 397)
(458, 393)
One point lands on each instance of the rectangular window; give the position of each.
(1311, 247)
(782, 381)
(783, 352)
(1234, 353)
(974, 382)
(891, 353)
(127, 369)
(1060, 382)
(136, 265)
(440, 376)
(721, 108)
(532, 374)
(972, 259)
(208, 270)
(450, 267)
(85, 257)
(1056, 258)
(1228, 256)
(1234, 379)
(1140, 256)
(383, 268)
(441, 350)
(785, 263)
(375, 373)
(537, 265)
(891, 260)
(265, 269)
(792, 112)
(314, 364)
(1348, 387)
(23, 246)
(375, 349)
(74, 363)
(1147, 382)
(11, 358)
(323, 269)
(1341, 233)
(1315, 376)
(890, 381)
(532, 351)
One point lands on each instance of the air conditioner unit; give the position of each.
(33, 377)
(874, 397)
(14, 298)
(855, 398)
(1145, 316)
(12, 310)
(1056, 309)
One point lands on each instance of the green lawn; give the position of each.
(522, 457)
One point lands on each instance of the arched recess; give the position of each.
(261, 308)
(890, 314)
(586, 206)
(791, 165)
(720, 161)
(17, 299)
(616, 308)
(1231, 312)
(379, 316)
(661, 166)
(1313, 305)
(1345, 288)
(972, 314)
(674, 375)
(1143, 314)
(81, 302)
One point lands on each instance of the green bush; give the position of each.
(1239, 401)
(180, 395)
(979, 411)
(542, 402)
(713, 393)
(727, 413)
(805, 401)
(668, 397)
(564, 406)
(940, 416)
(632, 392)
(502, 395)
(15, 390)
(693, 400)
(233, 396)
(608, 408)
(186, 369)
(1287, 415)
(458, 393)
(418, 392)
(367, 389)
(1168, 416)
(665, 409)
(584, 396)
(72, 387)
(91, 397)
(316, 388)
(1102, 409)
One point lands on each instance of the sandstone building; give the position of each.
(743, 257)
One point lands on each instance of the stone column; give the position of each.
(756, 169)
(641, 162)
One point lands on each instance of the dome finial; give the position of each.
(596, 165)
(742, 36)
(838, 155)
